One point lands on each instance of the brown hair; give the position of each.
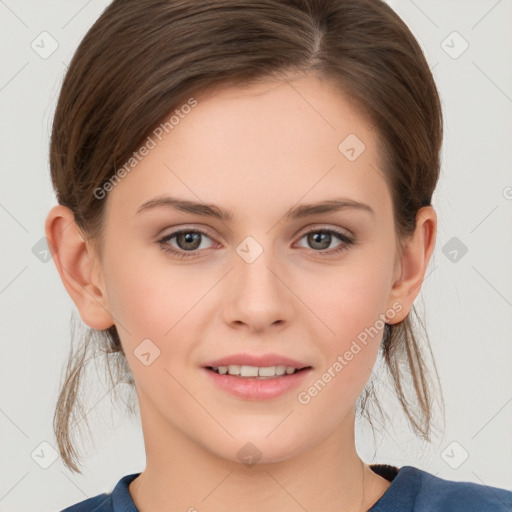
(142, 58)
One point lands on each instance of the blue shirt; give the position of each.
(411, 490)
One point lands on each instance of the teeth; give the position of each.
(245, 371)
(254, 371)
(280, 370)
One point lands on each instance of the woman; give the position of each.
(245, 221)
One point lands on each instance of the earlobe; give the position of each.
(414, 261)
(75, 261)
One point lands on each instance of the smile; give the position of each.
(254, 372)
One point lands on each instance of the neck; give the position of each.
(181, 474)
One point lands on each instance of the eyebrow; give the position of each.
(211, 210)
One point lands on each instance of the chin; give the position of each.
(258, 449)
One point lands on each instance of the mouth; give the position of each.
(257, 372)
(257, 376)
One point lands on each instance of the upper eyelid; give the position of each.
(315, 226)
(186, 229)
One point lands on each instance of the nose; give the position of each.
(259, 296)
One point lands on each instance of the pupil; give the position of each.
(317, 238)
(189, 238)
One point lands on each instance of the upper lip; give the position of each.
(262, 361)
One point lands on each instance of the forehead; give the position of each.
(262, 144)
(305, 108)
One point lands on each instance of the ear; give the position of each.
(78, 267)
(411, 264)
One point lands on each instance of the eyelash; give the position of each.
(167, 249)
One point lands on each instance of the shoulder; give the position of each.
(119, 500)
(438, 494)
(100, 503)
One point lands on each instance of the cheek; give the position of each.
(145, 305)
(350, 305)
(349, 299)
(156, 306)
(353, 307)
(149, 294)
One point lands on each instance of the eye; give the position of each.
(321, 239)
(188, 241)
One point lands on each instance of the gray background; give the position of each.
(466, 297)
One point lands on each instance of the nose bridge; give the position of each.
(259, 298)
(253, 268)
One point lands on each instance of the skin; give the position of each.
(256, 151)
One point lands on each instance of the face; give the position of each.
(186, 289)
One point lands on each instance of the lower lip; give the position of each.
(257, 389)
